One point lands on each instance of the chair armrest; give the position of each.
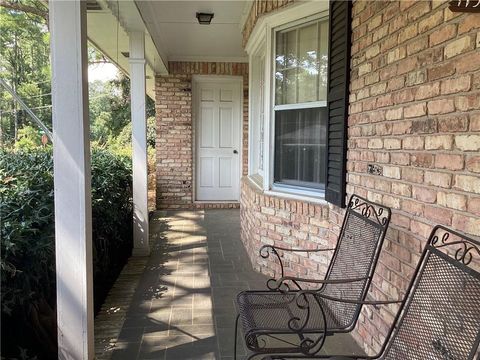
(276, 248)
(266, 250)
(347, 301)
(283, 281)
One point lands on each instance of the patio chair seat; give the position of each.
(273, 310)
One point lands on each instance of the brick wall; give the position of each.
(415, 115)
(415, 123)
(259, 8)
(173, 99)
(273, 220)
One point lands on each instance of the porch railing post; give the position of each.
(72, 180)
(139, 143)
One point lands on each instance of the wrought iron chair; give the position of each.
(270, 313)
(439, 318)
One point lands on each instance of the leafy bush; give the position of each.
(124, 138)
(27, 242)
(27, 248)
(29, 137)
(112, 215)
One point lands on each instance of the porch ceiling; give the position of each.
(108, 27)
(177, 34)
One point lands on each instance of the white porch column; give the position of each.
(139, 143)
(71, 154)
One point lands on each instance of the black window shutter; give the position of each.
(337, 100)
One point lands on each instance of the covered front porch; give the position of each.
(179, 303)
(393, 115)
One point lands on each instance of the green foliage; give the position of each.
(27, 244)
(112, 215)
(101, 129)
(124, 139)
(110, 110)
(29, 138)
(25, 66)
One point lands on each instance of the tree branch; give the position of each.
(24, 8)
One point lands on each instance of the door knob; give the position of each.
(235, 151)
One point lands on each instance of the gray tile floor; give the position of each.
(180, 299)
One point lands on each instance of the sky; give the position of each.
(102, 72)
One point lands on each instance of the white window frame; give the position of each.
(264, 33)
(257, 60)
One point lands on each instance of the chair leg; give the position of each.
(235, 338)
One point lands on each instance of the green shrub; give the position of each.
(27, 241)
(27, 230)
(112, 215)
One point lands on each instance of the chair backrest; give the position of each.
(440, 318)
(356, 255)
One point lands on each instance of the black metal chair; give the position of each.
(439, 318)
(268, 314)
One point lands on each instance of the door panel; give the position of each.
(218, 124)
(225, 172)
(227, 131)
(207, 127)
(207, 164)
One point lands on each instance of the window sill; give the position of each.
(298, 195)
(289, 194)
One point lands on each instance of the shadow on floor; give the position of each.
(179, 303)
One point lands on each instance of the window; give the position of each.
(298, 105)
(300, 112)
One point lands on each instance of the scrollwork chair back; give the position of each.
(356, 255)
(441, 316)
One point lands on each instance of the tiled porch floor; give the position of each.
(179, 303)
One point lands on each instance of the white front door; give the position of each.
(218, 140)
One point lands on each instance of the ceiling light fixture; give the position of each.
(204, 18)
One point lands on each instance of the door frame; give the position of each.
(196, 80)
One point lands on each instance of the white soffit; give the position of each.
(176, 32)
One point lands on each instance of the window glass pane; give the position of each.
(290, 49)
(323, 61)
(286, 74)
(300, 139)
(301, 63)
(286, 67)
(289, 91)
(308, 64)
